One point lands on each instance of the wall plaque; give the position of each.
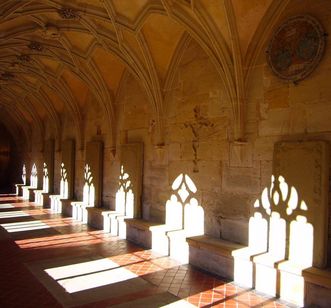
(296, 48)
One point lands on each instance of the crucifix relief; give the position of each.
(196, 127)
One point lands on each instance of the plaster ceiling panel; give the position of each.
(55, 99)
(79, 40)
(52, 17)
(15, 24)
(29, 78)
(38, 107)
(25, 113)
(248, 16)
(131, 40)
(49, 64)
(16, 89)
(77, 86)
(162, 35)
(216, 10)
(83, 4)
(130, 9)
(104, 26)
(110, 67)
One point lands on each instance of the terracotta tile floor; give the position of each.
(66, 239)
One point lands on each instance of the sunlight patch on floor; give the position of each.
(88, 275)
(6, 206)
(24, 226)
(13, 214)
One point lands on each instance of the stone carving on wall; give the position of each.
(296, 48)
(196, 127)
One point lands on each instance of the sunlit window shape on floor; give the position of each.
(88, 190)
(39, 198)
(33, 183)
(258, 233)
(34, 177)
(183, 210)
(24, 174)
(113, 221)
(275, 202)
(280, 231)
(79, 209)
(56, 204)
(12, 214)
(124, 195)
(64, 187)
(89, 275)
(257, 243)
(184, 218)
(24, 226)
(45, 179)
(20, 185)
(6, 206)
(282, 238)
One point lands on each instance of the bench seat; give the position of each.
(213, 255)
(140, 232)
(317, 287)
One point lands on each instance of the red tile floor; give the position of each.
(25, 253)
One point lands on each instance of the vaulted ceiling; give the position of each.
(54, 53)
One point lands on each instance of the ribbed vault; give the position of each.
(54, 54)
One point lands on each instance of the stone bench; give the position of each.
(55, 203)
(287, 278)
(79, 211)
(317, 287)
(139, 231)
(156, 236)
(28, 193)
(66, 207)
(159, 237)
(213, 255)
(95, 218)
(19, 191)
(113, 222)
(42, 198)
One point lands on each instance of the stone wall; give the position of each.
(198, 130)
(279, 110)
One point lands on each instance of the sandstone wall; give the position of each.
(198, 130)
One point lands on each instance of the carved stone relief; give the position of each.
(296, 48)
(196, 126)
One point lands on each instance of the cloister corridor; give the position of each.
(34, 239)
(165, 153)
